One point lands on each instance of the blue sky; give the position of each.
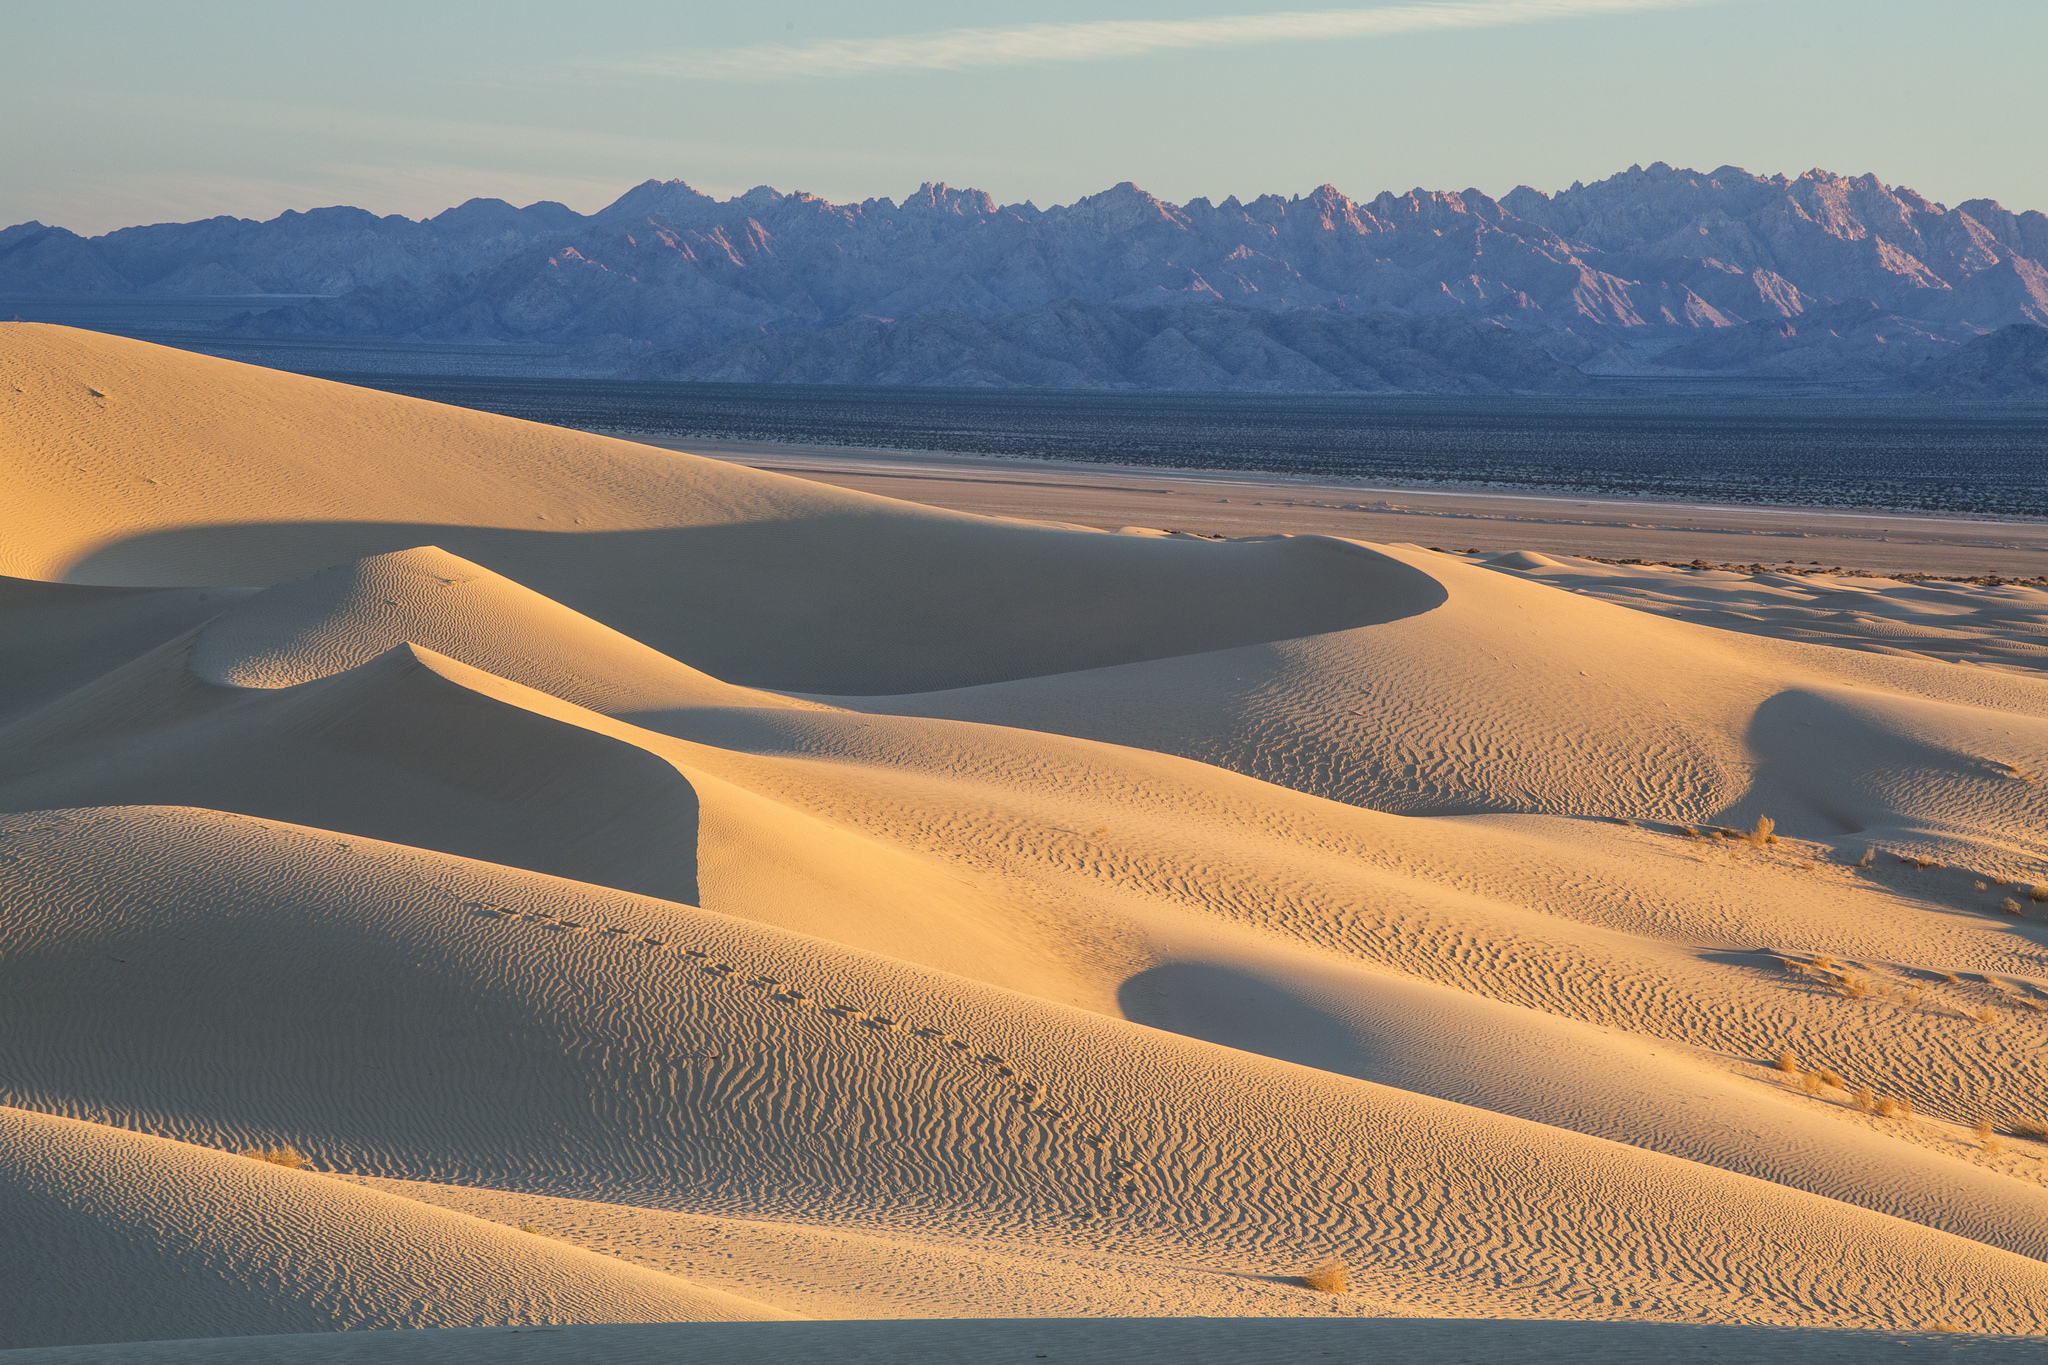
(119, 113)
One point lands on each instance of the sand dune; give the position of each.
(1198, 1341)
(729, 1066)
(136, 465)
(799, 902)
(117, 1236)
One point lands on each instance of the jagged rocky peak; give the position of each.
(939, 197)
(1120, 208)
(658, 199)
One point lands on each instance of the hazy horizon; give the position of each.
(132, 115)
(1355, 195)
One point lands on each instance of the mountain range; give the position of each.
(1655, 271)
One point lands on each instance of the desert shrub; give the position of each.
(1864, 1099)
(288, 1157)
(1853, 986)
(1761, 834)
(1887, 1108)
(533, 1228)
(2009, 906)
(1811, 1082)
(1831, 1078)
(1869, 857)
(1986, 1016)
(1788, 1060)
(1331, 1277)
(2038, 893)
(2030, 1128)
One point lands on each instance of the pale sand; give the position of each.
(1198, 1341)
(1203, 502)
(827, 906)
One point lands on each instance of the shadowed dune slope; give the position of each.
(134, 464)
(1431, 955)
(594, 1045)
(58, 636)
(119, 1236)
(1513, 696)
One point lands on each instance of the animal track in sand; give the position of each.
(1030, 1094)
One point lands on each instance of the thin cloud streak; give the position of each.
(1102, 40)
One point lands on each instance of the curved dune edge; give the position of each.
(116, 1235)
(592, 1045)
(1158, 921)
(133, 464)
(550, 905)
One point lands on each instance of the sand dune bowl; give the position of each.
(469, 875)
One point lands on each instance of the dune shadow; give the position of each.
(1233, 1008)
(855, 605)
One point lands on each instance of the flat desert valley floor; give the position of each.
(664, 899)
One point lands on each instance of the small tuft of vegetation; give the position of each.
(533, 1228)
(287, 1157)
(1830, 1078)
(1331, 1277)
(1760, 834)
(2030, 1128)
(1811, 1082)
(1853, 986)
(1865, 1099)
(1788, 1060)
(2009, 906)
(2038, 893)
(1869, 857)
(1986, 1016)
(1942, 1325)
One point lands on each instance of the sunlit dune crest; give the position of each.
(642, 889)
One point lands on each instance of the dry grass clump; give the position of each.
(1951, 978)
(1988, 1136)
(1331, 1277)
(1921, 861)
(1889, 1108)
(533, 1228)
(1853, 986)
(1986, 1016)
(1942, 1325)
(2038, 893)
(1761, 834)
(2009, 906)
(288, 1157)
(1869, 857)
(1865, 1099)
(2030, 1128)
(1788, 1060)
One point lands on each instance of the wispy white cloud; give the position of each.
(963, 49)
